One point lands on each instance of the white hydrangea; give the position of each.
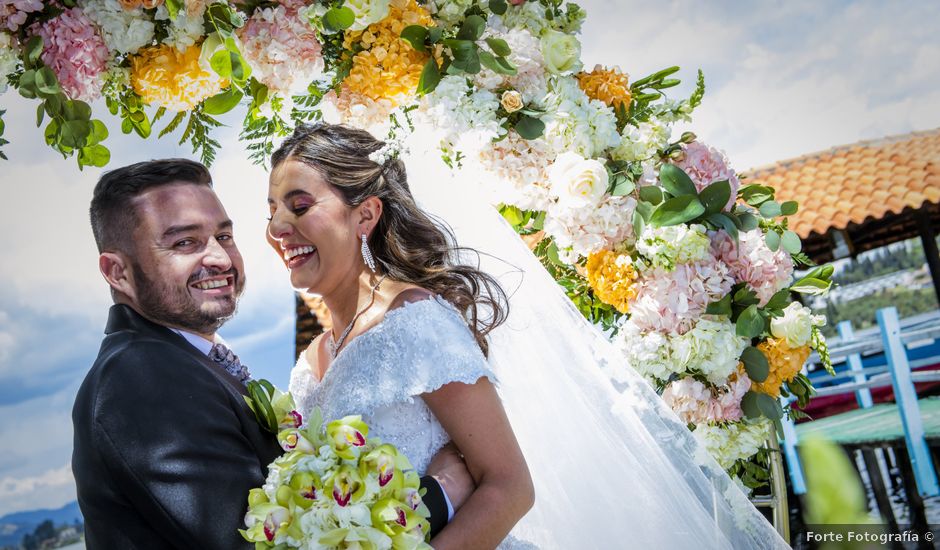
(367, 12)
(675, 244)
(531, 79)
(8, 59)
(530, 15)
(184, 31)
(578, 123)
(711, 347)
(648, 353)
(581, 231)
(116, 80)
(730, 442)
(450, 12)
(515, 172)
(124, 31)
(642, 143)
(468, 120)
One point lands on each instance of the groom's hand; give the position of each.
(450, 471)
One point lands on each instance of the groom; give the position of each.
(165, 447)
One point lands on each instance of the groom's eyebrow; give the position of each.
(177, 229)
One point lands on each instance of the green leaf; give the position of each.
(430, 77)
(789, 208)
(142, 127)
(53, 105)
(721, 307)
(174, 7)
(499, 65)
(552, 253)
(435, 34)
(770, 209)
(716, 196)
(512, 214)
(76, 110)
(466, 58)
(27, 87)
(750, 323)
(33, 50)
(652, 194)
(99, 133)
(725, 222)
(529, 127)
(222, 102)
(773, 240)
(95, 155)
(755, 363)
(639, 221)
(755, 194)
(74, 133)
(676, 181)
(472, 28)
(499, 46)
(779, 300)
(769, 406)
(622, 186)
(749, 404)
(749, 222)
(791, 242)
(498, 7)
(415, 35)
(677, 210)
(812, 286)
(221, 62)
(127, 126)
(40, 114)
(338, 19)
(46, 82)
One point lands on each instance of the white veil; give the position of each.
(611, 469)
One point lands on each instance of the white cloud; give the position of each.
(50, 489)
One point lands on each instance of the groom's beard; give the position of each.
(175, 306)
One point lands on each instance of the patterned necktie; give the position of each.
(229, 361)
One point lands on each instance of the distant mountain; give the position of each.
(14, 526)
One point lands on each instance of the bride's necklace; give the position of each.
(334, 345)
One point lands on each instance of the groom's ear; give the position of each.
(115, 268)
(370, 210)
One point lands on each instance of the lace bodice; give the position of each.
(380, 375)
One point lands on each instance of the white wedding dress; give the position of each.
(612, 467)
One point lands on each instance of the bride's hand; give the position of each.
(450, 471)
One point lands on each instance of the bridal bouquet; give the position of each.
(333, 487)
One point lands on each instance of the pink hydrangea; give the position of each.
(752, 261)
(727, 406)
(706, 165)
(75, 52)
(13, 13)
(282, 48)
(672, 301)
(694, 403)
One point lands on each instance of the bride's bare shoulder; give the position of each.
(409, 295)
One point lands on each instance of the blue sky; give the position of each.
(784, 79)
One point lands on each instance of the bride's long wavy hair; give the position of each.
(407, 243)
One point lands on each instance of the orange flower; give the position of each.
(163, 76)
(607, 85)
(613, 278)
(785, 364)
(387, 67)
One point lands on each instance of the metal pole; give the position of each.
(906, 397)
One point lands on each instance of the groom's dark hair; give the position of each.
(113, 216)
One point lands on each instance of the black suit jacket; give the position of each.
(166, 449)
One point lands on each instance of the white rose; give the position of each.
(577, 181)
(367, 12)
(796, 325)
(561, 52)
(511, 100)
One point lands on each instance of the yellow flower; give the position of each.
(785, 363)
(387, 67)
(163, 76)
(613, 278)
(607, 85)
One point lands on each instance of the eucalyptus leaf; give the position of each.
(529, 127)
(435, 34)
(721, 307)
(496, 64)
(750, 323)
(430, 77)
(749, 404)
(676, 181)
(779, 300)
(74, 133)
(789, 208)
(498, 7)
(27, 87)
(40, 114)
(791, 242)
(622, 186)
(755, 194)
(755, 363)
(770, 209)
(639, 222)
(221, 63)
(33, 50)
(95, 155)
(725, 222)
(749, 222)
(772, 238)
(338, 19)
(46, 82)
(716, 196)
(677, 210)
(769, 406)
(99, 133)
(472, 28)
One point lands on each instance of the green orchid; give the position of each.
(397, 520)
(294, 439)
(346, 485)
(364, 538)
(387, 463)
(347, 434)
(266, 520)
(306, 488)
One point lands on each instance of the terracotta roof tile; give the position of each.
(851, 183)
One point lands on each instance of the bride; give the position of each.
(421, 340)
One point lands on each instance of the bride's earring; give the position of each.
(367, 254)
